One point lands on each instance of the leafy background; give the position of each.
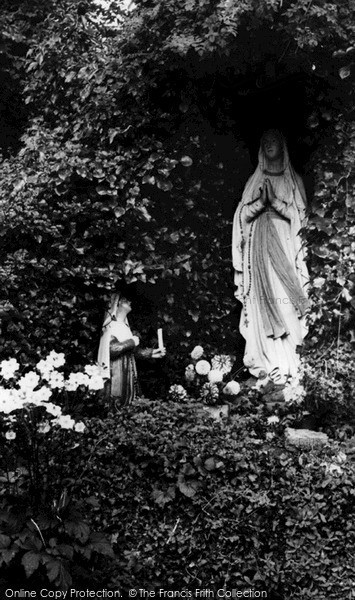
(127, 151)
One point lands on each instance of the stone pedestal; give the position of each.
(305, 438)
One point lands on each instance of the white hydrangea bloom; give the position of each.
(10, 435)
(197, 352)
(232, 388)
(203, 367)
(215, 376)
(273, 420)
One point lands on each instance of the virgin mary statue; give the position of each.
(269, 263)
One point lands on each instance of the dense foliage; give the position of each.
(127, 148)
(136, 149)
(190, 502)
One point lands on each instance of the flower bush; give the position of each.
(323, 388)
(44, 535)
(205, 379)
(222, 503)
(33, 390)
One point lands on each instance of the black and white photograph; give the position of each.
(177, 299)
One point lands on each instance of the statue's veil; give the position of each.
(103, 356)
(292, 193)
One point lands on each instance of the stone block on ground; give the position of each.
(305, 438)
(217, 412)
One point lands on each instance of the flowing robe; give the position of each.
(270, 272)
(116, 357)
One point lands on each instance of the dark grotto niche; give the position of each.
(13, 112)
(241, 108)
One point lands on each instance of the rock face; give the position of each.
(305, 438)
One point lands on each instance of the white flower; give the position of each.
(56, 380)
(10, 435)
(82, 379)
(10, 400)
(8, 368)
(222, 362)
(29, 381)
(273, 420)
(75, 380)
(232, 388)
(92, 370)
(65, 422)
(197, 352)
(45, 368)
(96, 382)
(79, 427)
(53, 409)
(203, 367)
(29, 397)
(56, 359)
(43, 394)
(72, 383)
(215, 376)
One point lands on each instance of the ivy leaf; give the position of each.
(210, 464)
(189, 488)
(30, 561)
(58, 574)
(344, 72)
(79, 530)
(162, 497)
(119, 212)
(165, 186)
(5, 541)
(99, 544)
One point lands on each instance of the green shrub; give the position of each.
(329, 382)
(189, 501)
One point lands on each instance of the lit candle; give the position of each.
(160, 339)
